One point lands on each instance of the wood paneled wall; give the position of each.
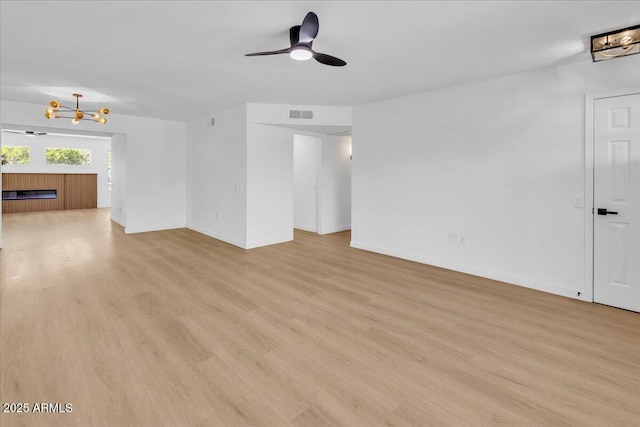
(33, 181)
(78, 192)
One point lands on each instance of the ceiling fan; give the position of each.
(301, 38)
(25, 132)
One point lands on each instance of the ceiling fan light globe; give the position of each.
(301, 54)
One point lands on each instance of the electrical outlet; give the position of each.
(463, 239)
(453, 237)
(578, 201)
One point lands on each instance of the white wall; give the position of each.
(335, 184)
(306, 159)
(497, 161)
(156, 174)
(269, 185)
(98, 146)
(119, 178)
(155, 162)
(217, 176)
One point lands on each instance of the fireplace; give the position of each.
(29, 194)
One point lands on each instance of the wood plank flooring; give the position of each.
(174, 328)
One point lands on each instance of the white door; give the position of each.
(616, 234)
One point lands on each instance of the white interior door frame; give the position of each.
(590, 98)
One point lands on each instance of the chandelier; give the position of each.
(55, 108)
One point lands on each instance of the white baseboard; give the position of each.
(118, 221)
(330, 230)
(327, 230)
(133, 230)
(261, 243)
(217, 236)
(501, 277)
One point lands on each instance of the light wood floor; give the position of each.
(177, 329)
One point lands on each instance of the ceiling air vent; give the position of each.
(300, 114)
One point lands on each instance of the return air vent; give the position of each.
(300, 114)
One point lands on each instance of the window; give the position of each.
(68, 156)
(16, 155)
(109, 170)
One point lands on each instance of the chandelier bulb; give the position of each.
(54, 104)
(75, 121)
(103, 121)
(105, 111)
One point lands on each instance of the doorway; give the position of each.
(322, 183)
(53, 169)
(306, 165)
(615, 217)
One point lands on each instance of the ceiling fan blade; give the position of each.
(294, 35)
(323, 58)
(273, 52)
(309, 28)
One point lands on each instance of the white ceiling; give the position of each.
(185, 59)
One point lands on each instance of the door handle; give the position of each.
(604, 211)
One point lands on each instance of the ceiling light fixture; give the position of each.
(615, 44)
(55, 107)
(301, 54)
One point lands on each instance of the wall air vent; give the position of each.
(300, 114)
